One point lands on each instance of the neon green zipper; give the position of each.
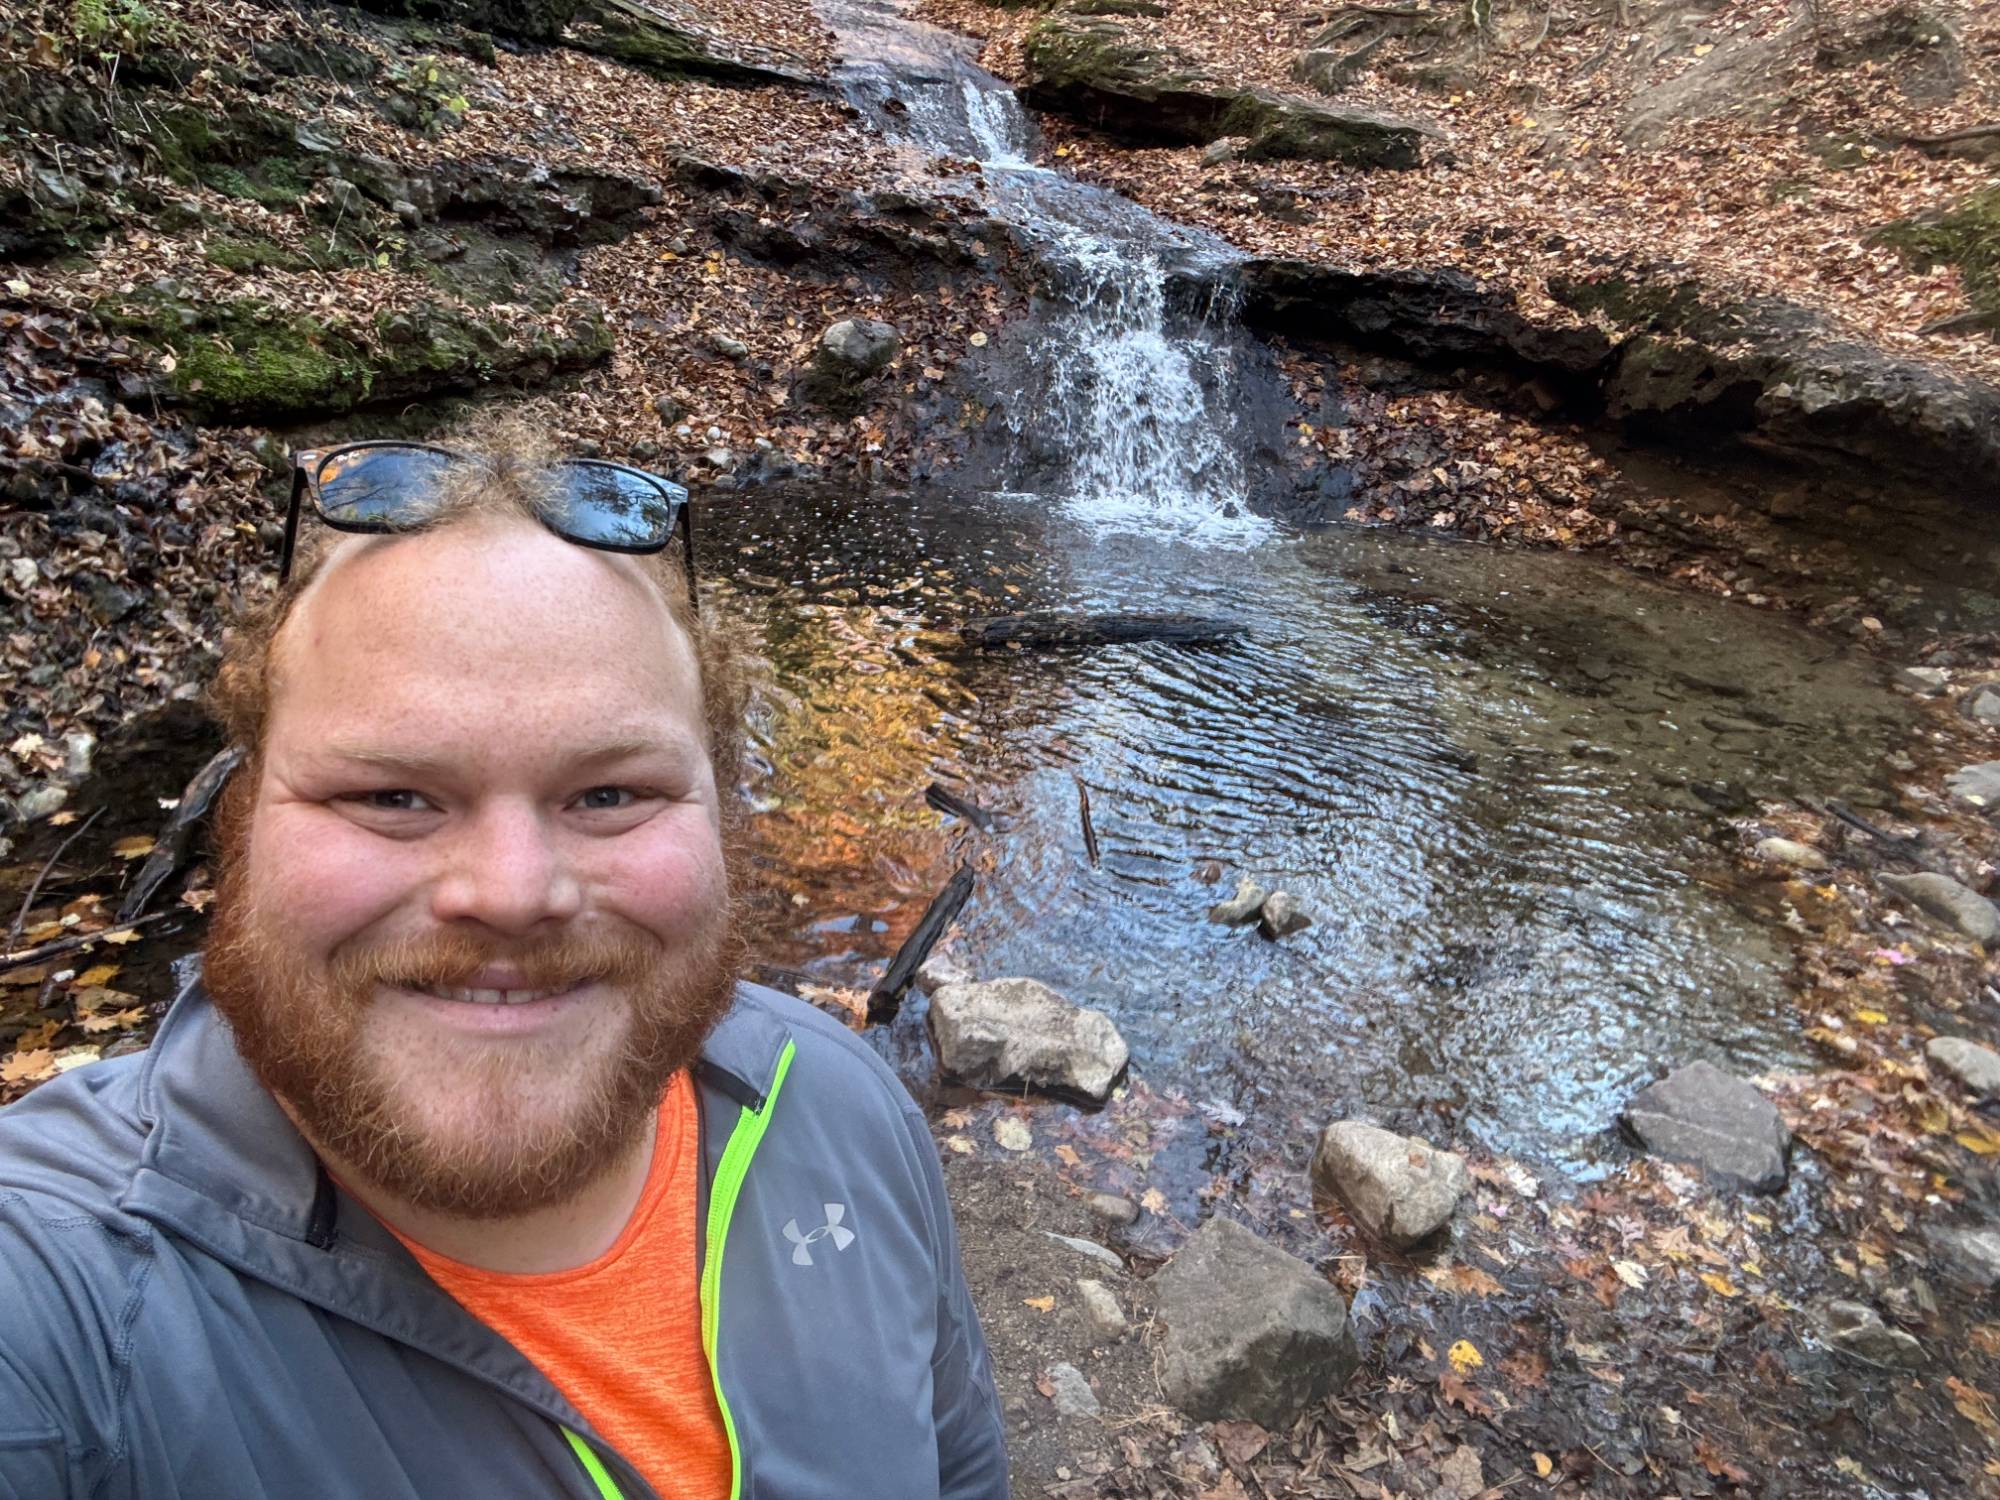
(729, 1174)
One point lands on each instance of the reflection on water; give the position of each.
(1497, 781)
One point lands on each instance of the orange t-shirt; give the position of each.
(621, 1336)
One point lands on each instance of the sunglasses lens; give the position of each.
(602, 505)
(385, 486)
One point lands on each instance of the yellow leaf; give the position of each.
(91, 978)
(1544, 1465)
(1872, 1017)
(1704, 49)
(28, 1067)
(121, 937)
(959, 1144)
(1153, 1201)
(1464, 1357)
(1040, 1304)
(1721, 1285)
(978, 341)
(136, 847)
(1981, 1144)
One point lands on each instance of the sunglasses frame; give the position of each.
(307, 462)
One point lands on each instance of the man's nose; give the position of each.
(506, 869)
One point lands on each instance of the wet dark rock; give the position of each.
(1958, 907)
(1978, 785)
(1095, 71)
(1857, 1329)
(1251, 1333)
(1241, 907)
(1282, 916)
(534, 20)
(1401, 1189)
(1975, 1253)
(110, 601)
(39, 802)
(1715, 1121)
(1014, 1033)
(1977, 1067)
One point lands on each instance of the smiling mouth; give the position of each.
(492, 997)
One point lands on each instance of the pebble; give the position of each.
(1013, 1134)
(1791, 852)
(1925, 682)
(1241, 907)
(41, 801)
(1073, 1395)
(1112, 1209)
(1281, 916)
(1087, 1247)
(1100, 1306)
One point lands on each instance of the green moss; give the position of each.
(1966, 235)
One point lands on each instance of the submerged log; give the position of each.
(1046, 628)
(886, 998)
(945, 800)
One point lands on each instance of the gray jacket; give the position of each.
(189, 1307)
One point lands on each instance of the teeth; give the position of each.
(491, 997)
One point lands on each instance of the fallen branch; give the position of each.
(1083, 812)
(1043, 629)
(946, 801)
(170, 848)
(60, 946)
(28, 901)
(1950, 137)
(886, 998)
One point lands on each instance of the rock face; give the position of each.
(1252, 1334)
(1977, 1067)
(1401, 1189)
(1011, 1033)
(1702, 1115)
(1095, 71)
(1958, 907)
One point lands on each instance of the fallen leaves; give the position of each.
(1464, 1357)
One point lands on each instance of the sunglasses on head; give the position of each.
(388, 486)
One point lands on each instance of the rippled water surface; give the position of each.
(1499, 782)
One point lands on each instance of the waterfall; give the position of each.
(1127, 418)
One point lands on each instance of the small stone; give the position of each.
(1721, 1124)
(1073, 1397)
(1925, 682)
(668, 410)
(1101, 1310)
(719, 458)
(728, 346)
(1090, 1248)
(1281, 916)
(1982, 705)
(1241, 907)
(1013, 1033)
(407, 212)
(940, 969)
(1974, 1251)
(1957, 906)
(1401, 1189)
(79, 751)
(24, 572)
(1977, 1067)
(1220, 153)
(1977, 785)
(1251, 1333)
(39, 802)
(1857, 1329)
(1112, 1209)
(1791, 852)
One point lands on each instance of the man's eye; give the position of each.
(600, 798)
(394, 799)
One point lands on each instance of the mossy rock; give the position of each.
(1115, 8)
(1967, 236)
(534, 20)
(1280, 127)
(652, 44)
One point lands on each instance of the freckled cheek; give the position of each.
(665, 880)
(327, 881)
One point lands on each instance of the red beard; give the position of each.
(304, 1030)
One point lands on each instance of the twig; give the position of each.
(70, 944)
(1083, 812)
(28, 901)
(946, 801)
(886, 998)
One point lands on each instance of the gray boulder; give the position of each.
(1958, 907)
(1857, 1329)
(1978, 785)
(1982, 705)
(1925, 682)
(1013, 1033)
(1975, 1252)
(1402, 1189)
(1252, 1334)
(1791, 852)
(1702, 1115)
(850, 354)
(1977, 1067)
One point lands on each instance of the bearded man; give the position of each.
(464, 1167)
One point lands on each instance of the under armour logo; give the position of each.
(802, 1242)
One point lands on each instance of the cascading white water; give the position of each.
(1128, 401)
